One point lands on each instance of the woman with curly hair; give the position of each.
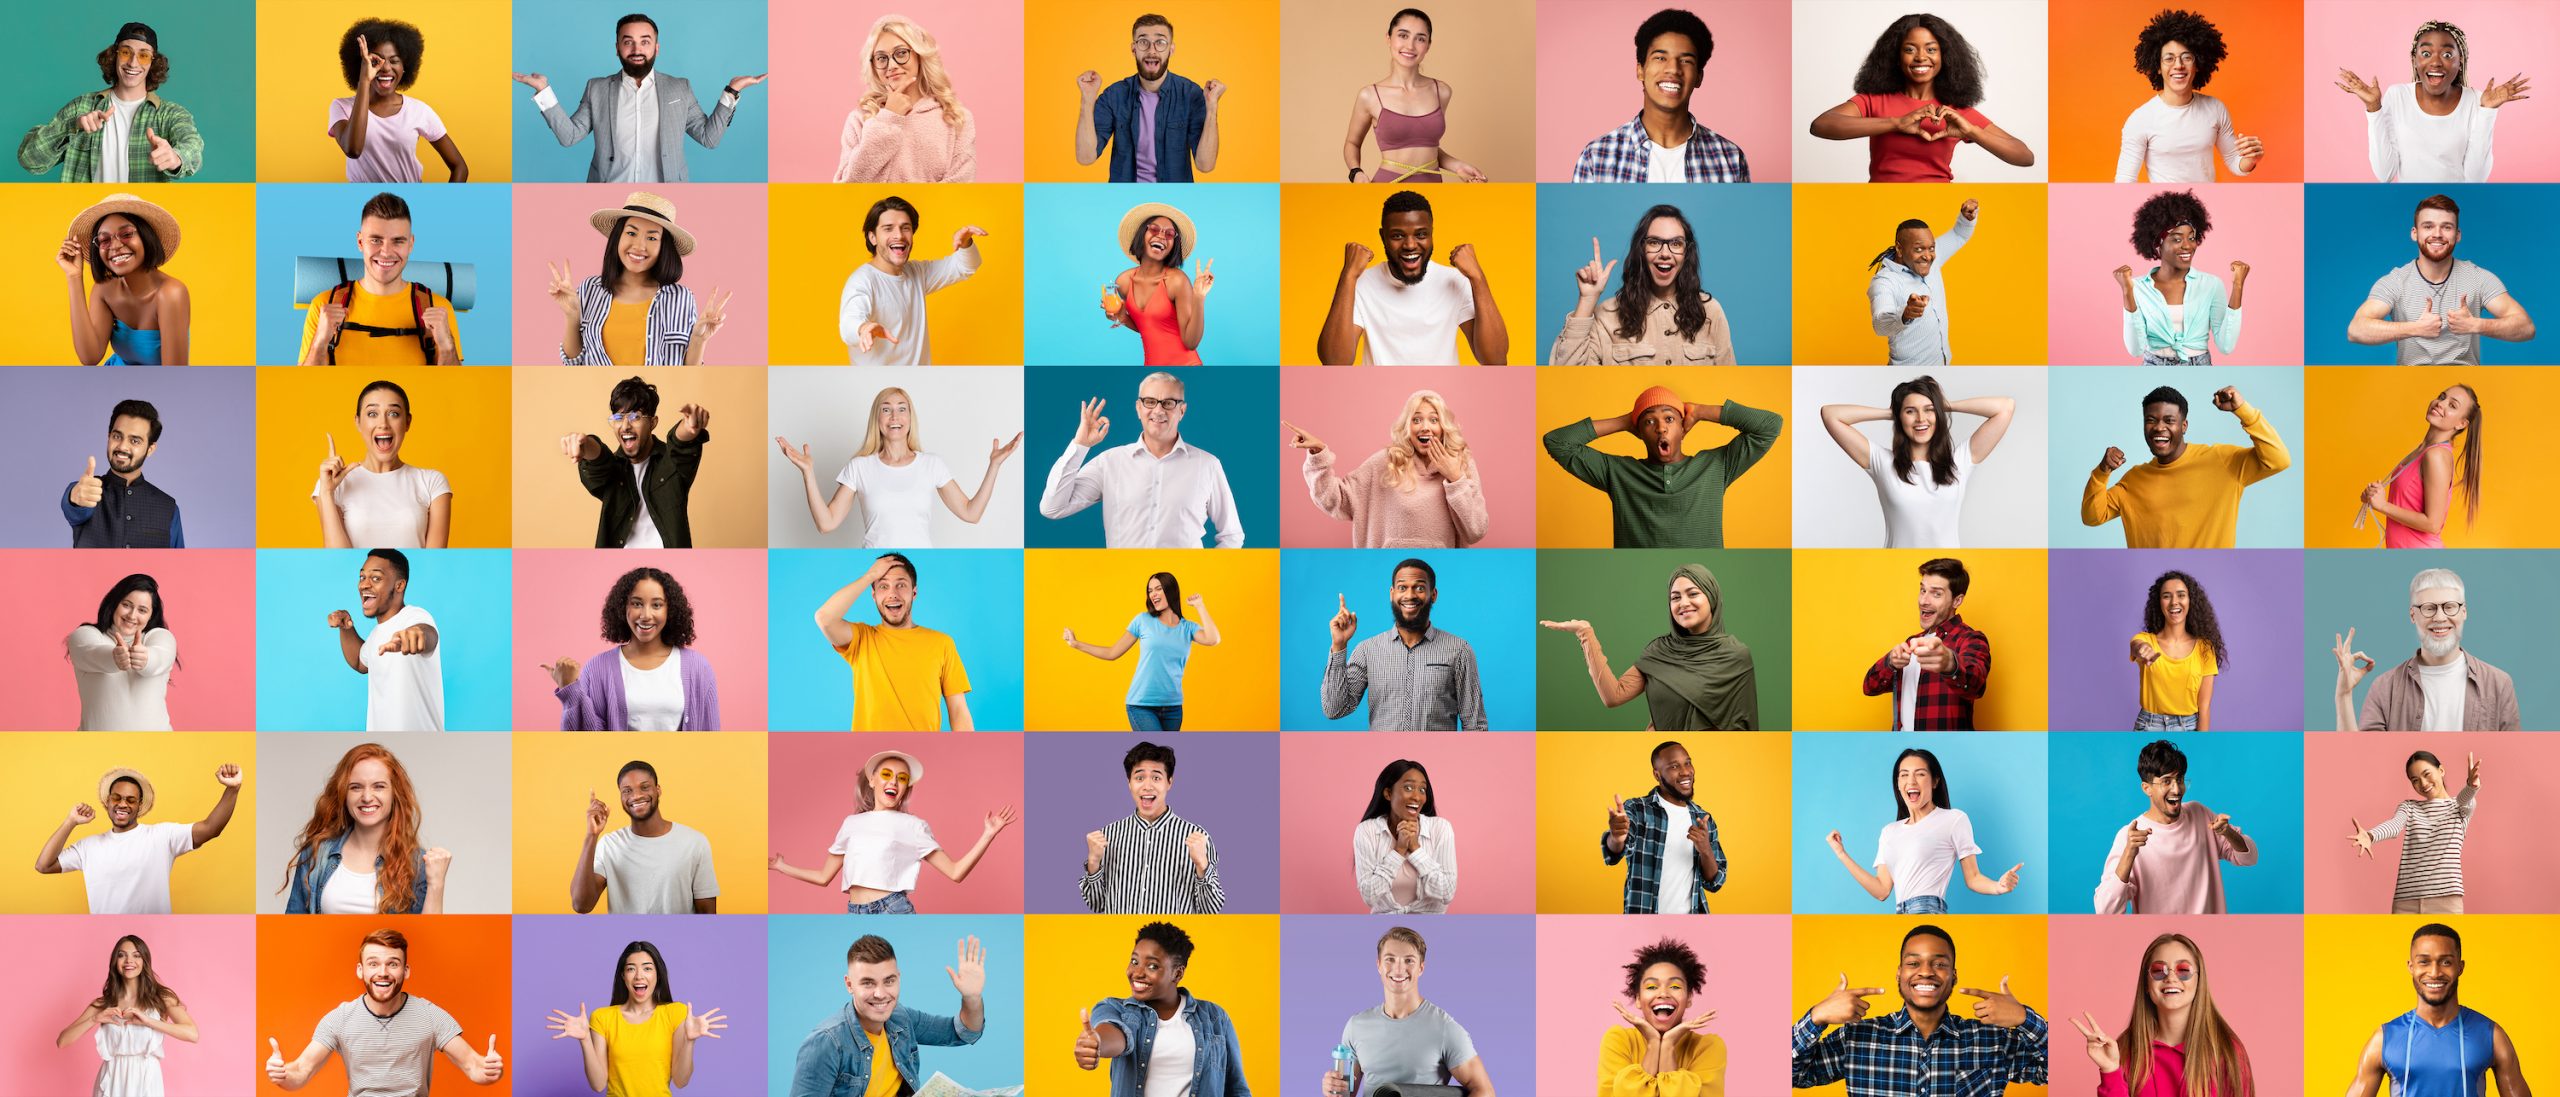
(2176, 1044)
(2177, 655)
(2177, 315)
(1916, 94)
(2415, 499)
(379, 126)
(133, 1013)
(2176, 133)
(359, 853)
(1920, 479)
(1660, 315)
(910, 126)
(1662, 1051)
(652, 681)
(1421, 491)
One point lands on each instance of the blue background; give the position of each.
(1844, 782)
(708, 44)
(2357, 232)
(975, 595)
(2510, 599)
(212, 48)
(2099, 406)
(1230, 413)
(1746, 257)
(1484, 600)
(455, 224)
(804, 980)
(305, 685)
(2096, 792)
(1069, 252)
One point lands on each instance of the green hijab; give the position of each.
(1701, 681)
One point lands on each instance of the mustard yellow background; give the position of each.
(1084, 958)
(1853, 605)
(1995, 295)
(1234, 686)
(1758, 508)
(2365, 420)
(1233, 41)
(1868, 949)
(217, 259)
(1500, 219)
(458, 426)
(552, 510)
(713, 782)
(817, 241)
(50, 772)
(2355, 976)
(462, 74)
(1742, 781)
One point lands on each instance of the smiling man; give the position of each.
(381, 318)
(2169, 859)
(124, 133)
(121, 509)
(2433, 309)
(1415, 676)
(2185, 496)
(881, 315)
(1408, 1040)
(1669, 870)
(1907, 294)
(904, 674)
(1936, 674)
(2443, 687)
(387, 1035)
(1152, 861)
(1667, 498)
(654, 866)
(2440, 1045)
(870, 1045)
(1665, 143)
(2437, 128)
(1159, 126)
(1156, 492)
(126, 869)
(640, 116)
(1921, 1049)
(643, 487)
(1409, 311)
(402, 658)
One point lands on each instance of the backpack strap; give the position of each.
(420, 300)
(344, 293)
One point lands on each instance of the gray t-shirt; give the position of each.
(661, 875)
(1422, 1047)
(387, 1056)
(2411, 296)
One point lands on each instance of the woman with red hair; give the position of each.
(360, 854)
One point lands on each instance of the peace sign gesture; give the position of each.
(564, 287)
(1593, 275)
(2102, 1047)
(2472, 780)
(715, 312)
(1201, 282)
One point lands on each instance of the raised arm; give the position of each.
(1614, 689)
(830, 615)
(970, 507)
(1841, 422)
(1338, 342)
(585, 885)
(49, 856)
(1878, 884)
(959, 870)
(215, 821)
(1996, 412)
(1487, 336)
(1088, 141)
(1207, 634)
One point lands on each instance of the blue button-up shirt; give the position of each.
(835, 1059)
(1887, 1057)
(1921, 342)
(1181, 112)
(1625, 155)
(1217, 1063)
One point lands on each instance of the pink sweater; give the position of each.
(1437, 513)
(2168, 1077)
(919, 146)
(2179, 870)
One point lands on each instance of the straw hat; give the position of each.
(915, 769)
(1138, 215)
(149, 796)
(162, 224)
(647, 207)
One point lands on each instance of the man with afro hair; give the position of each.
(2176, 133)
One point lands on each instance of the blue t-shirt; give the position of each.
(1163, 650)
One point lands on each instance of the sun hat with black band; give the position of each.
(138, 32)
(647, 207)
(162, 224)
(1138, 215)
(107, 784)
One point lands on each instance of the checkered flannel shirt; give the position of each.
(1648, 830)
(1624, 155)
(1887, 1057)
(1946, 700)
(61, 142)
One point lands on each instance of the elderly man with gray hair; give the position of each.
(1157, 492)
(2442, 687)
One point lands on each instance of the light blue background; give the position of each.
(1746, 258)
(2255, 778)
(1484, 600)
(1844, 782)
(304, 684)
(1230, 413)
(2510, 599)
(804, 987)
(469, 223)
(708, 44)
(2099, 406)
(2361, 230)
(1069, 252)
(975, 595)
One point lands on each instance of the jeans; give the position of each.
(1922, 904)
(2154, 358)
(895, 902)
(1155, 717)
(2152, 721)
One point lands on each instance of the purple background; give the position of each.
(208, 435)
(1477, 968)
(2257, 597)
(1229, 784)
(565, 959)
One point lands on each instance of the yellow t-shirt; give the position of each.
(884, 1070)
(394, 311)
(1699, 1073)
(2172, 686)
(626, 333)
(638, 1058)
(901, 675)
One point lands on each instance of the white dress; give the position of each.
(132, 1054)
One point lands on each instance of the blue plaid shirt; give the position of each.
(1624, 154)
(1887, 1057)
(1648, 831)
(1182, 114)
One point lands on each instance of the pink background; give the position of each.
(813, 50)
(2091, 227)
(966, 776)
(1582, 960)
(2505, 855)
(2253, 960)
(2372, 37)
(1353, 409)
(1482, 789)
(58, 962)
(212, 608)
(727, 223)
(1587, 82)
(559, 604)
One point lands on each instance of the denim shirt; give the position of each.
(835, 1059)
(1925, 341)
(1217, 1064)
(1182, 112)
(303, 896)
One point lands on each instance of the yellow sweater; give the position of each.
(2193, 502)
(1700, 1072)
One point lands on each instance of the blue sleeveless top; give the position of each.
(2426, 1061)
(133, 347)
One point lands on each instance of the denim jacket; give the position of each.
(835, 1060)
(303, 896)
(1217, 1064)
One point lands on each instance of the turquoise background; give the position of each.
(304, 684)
(804, 987)
(212, 49)
(1070, 252)
(1746, 256)
(708, 44)
(452, 224)
(1844, 782)
(974, 594)
(2099, 406)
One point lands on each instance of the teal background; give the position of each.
(2255, 778)
(2099, 406)
(212, 50)
(1746, 256)
(1069, 252)
(1625, 594)
(2511, 601)
(708, 44)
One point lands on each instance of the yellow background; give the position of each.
(817, 241)
(1500, 219)
(52, 771)
(1868, 949)
(1741, 781)
(2365, 420)
(1084, 958)
(2356, 976)
(458, 427)
(1995, 296)
(1234, 686)
(463, 75)
(713, 782)
(1852, 605)
(217, 259)
(726, 507)
(1758, 508)
(1227, 40)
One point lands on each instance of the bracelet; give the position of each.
(1355, 175)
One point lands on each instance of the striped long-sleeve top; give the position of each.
(671, 317)
(1146, 870)
(2430, 833)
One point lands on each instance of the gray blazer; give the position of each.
(678, 114)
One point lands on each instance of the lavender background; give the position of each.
(2257, 597)
(565, 959)
(1229, 784)
(208, 439)
(1476, 968)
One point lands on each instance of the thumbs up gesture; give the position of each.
(275, 1062)
(88, 489)
(1088, 1041)
(491, 1064)
(162, 156)
(2427, 324)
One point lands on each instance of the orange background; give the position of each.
(2093, 84)
(307, 966)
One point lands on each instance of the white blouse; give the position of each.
(1422, 882)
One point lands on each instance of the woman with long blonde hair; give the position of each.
(1421, 491)
(896, 478)
(360, 852)
(2417, 497)
(910, 126)
(2177, 1044)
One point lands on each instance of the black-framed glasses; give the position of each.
(1150, 403)
(901, 56)
(1671, 245)
(2436, 609)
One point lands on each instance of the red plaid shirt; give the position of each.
(1946, 700)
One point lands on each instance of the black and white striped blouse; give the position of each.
(1146, 869)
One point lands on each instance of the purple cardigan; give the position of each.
(594, 702)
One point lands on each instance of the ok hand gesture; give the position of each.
(1092, 426)
(2353, 665)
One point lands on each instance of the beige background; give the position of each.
(1483, 49)
(727, 505)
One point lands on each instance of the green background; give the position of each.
(1625, 594)
(212, 48)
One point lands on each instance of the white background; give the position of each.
(960, 412)
(1832, 38)
(1835, 502)
(464, 782)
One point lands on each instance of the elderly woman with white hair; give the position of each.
(910, 126)
(1421, 491)
(2441, 688)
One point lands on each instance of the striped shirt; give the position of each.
(671, 317)
(387, 1056)
(2430, 833)
(1679, 505)
(1431, 686)
(1146, 869)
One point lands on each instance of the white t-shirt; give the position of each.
(1414, 325)
(644, 529)
(350, 892)
(403, 692)
(661, 875)
(1907, 696)
(2409, 145)
(882, 849)
(2178, 144)
(897, 500)
(2443, 687)
(390, 144)
(128, 873)
(389, 509)
(1169, 1065)
(654, 698)
(1667, 165)
(1923, 855)
(1679, 860)
(114, 139)
(1920, 514)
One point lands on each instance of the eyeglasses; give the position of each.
(893, 777)
(1674, 245)
(2183, 971)
(136, 56)
(901, 56)
(2447, 610)
(1150, 403)
(628, 417)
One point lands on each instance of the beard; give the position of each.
(641, 70)
(2452, 991)
(1396, 271)
(1418, 621)
(2439, 649)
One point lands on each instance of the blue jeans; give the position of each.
(1155, 717)
(2152, 721)
(895, 902)
(1922, 904)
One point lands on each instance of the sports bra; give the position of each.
(1409, 131)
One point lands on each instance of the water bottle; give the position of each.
(1342, 1062)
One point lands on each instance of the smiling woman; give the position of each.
(653, 680)
(138, 315)
(1661, 1049)
(381, 501)
(1914, 102)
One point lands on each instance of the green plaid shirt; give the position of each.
(61, 142)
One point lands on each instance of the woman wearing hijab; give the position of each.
(1697, 677)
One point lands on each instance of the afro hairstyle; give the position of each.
(2188, 29)
(2165, 211)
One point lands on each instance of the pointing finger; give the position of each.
(1595, 249)
(1340, 603)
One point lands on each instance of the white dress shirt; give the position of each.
(635, 132)
(1147, 501)
(1421, 882)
